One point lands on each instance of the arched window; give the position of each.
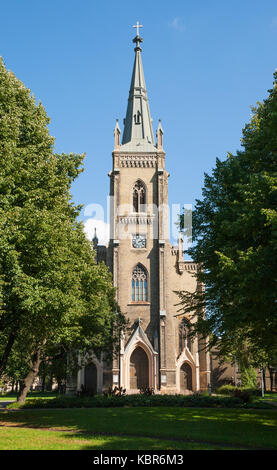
(139, 197)
(139, 284)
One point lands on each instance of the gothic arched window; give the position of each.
(139, 197)
(139, 284)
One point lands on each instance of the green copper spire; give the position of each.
(138, 132)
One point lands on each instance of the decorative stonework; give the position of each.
(138, 161)
(183, 265)
(187, 266)
(139, 339)
(136, 219)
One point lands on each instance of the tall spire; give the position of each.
(138, 132)
(95, 239)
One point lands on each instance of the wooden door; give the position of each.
(91, 378)
(185, 377)
(139, 369)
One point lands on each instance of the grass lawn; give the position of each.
(16, 439)
(140, 428)
(13, 396)
(271, 395)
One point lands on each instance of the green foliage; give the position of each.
(102, 401)
(249, 377)
(246, 394)
(225, 390)
(53, 296)
(235, 245)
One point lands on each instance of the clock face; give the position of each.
(139, 241)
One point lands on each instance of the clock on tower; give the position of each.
(139, 241)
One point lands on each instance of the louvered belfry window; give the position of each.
(139, 197)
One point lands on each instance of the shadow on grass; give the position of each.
(239, 428)
(122, 442)
(34, 439)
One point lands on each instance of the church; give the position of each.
(147, 270)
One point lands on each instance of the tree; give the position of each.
(235, 244)
(53, 295)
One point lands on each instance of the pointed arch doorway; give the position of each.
(139, 369)
(185, 377)
(91, 378)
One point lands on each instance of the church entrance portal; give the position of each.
(185, 377)
(139, 369)
(91, 378)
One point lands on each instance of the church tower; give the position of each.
(146, 268)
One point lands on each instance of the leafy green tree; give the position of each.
(55, 369)
(235, 244)
(15, 369)
(52, 293)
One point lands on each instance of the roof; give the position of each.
(138, 132)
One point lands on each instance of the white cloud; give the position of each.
(102, 230)
(178, 24)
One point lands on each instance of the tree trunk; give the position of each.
(26, 384)
(264, 379)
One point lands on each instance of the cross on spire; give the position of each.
(137, 39)
(138, 26)
(138, 130)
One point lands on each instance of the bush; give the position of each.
(243, 395)
(233, 391)
(101, 401)
(225, 390)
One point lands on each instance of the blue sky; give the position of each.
(205, 64)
